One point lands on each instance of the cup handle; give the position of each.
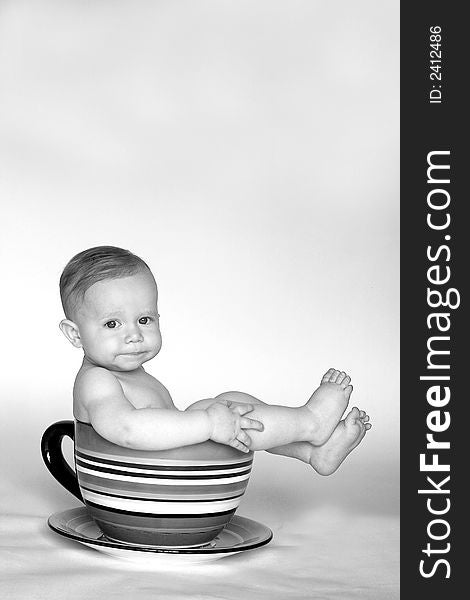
(51, 449)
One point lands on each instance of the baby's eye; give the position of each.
(144, 320)
(111, 324)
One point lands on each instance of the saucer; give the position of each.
(239, 535)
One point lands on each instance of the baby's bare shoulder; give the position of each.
(96, 378)
(91, 384)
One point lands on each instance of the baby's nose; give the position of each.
(134, 335)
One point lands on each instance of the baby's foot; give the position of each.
(347, 435)
(327, 404)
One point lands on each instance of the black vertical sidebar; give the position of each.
(434, 251)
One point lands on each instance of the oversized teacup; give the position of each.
(180, 497)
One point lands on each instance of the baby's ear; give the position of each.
(71, 332)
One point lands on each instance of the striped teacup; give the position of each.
(177, 498)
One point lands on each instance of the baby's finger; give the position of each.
(244, 438)
(241, 409)
(239, 446)
(246, 423)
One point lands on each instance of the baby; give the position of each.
(109, 297)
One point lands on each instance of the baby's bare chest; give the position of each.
(145, 392)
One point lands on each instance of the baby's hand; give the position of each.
(228, 424)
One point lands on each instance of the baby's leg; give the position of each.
(314, 422)
(282, 424)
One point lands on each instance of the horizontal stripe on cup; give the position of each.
(152, 488)
(138, 460)
(157, 507)
(153, 498)
(164, 471)
(177, 466)
(160, 536)
(164, 480)
(169, 516)
(162, 475)
(146, 522)
(161, 530)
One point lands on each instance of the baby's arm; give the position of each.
(117, 420)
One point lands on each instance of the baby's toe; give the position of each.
(345, 382)
(334, 377)
(352, 415)
(327, 375)
(368, 426)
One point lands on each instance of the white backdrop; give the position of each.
(248, 151)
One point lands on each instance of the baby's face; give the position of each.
(118, 322)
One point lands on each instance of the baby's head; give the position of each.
(109, 298)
